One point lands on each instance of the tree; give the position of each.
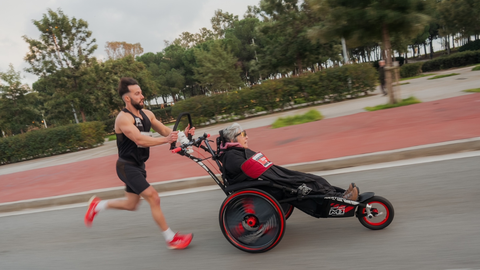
(371, 20)
(189, 40)
(222, 21)
(217, 69)
(252, 12)
(117, 49)
(63, 43)
(286, 46)
(459, 16)
(242, 40)
(60, 55)
(102, 80)
(99, 82)
(17, 114)
(168, 70)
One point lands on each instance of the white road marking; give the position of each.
(77, 205)
(400, 163)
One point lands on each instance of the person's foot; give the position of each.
(349, 189)
(180, 241)
(353, 195)
(90, 215)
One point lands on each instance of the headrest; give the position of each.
(220, 141)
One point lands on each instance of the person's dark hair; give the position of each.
(123, 85)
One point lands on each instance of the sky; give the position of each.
(148, 22)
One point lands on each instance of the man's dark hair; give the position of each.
(123, 85)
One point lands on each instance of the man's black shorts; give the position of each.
(133, 175)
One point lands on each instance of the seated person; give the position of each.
(240, 164)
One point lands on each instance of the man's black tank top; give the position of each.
(127, 149)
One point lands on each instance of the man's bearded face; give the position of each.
(138, 105)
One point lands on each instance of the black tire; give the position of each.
(382, 211)
(287, 209)
(252, 220)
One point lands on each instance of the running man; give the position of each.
(132, 127)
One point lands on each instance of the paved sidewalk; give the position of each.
(356, 138)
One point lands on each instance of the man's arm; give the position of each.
(124, 124)
(157, 125)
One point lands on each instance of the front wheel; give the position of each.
(381, 213)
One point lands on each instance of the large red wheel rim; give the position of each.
(288, 213)
(371, 222)
(237, 242)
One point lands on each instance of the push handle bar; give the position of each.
(189, 136)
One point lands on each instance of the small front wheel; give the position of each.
(381, 213)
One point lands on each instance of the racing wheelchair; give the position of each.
(252, 217)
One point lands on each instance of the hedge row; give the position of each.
(51, 141)
(451, 61)
(471, 46)
(329, 85)
(444, 62)
(411, 70)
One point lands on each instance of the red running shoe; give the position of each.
(180, 241)
(90, 215)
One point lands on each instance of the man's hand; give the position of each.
(172, 137)
(189, 130)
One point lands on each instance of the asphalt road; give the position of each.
(435, 227)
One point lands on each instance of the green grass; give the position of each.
(476, 68)
(416, 77)
(310, 116)
(443, 76)
(405, 102)
(474, 90)
(112, 137)
(404, 83)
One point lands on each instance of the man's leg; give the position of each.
(151, 196)
(96, 205)
(174, 240)
(130, 203)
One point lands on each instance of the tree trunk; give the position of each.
(447, 44)
(431, 47)
(388, 65)
(84, 119)
(299, 65)
(384, 55)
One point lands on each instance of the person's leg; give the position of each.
(382, 87)
(174, 240)
(130, 202)
(150, 195)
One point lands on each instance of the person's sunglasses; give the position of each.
(243, 133)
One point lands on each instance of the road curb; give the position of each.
(321, 165)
